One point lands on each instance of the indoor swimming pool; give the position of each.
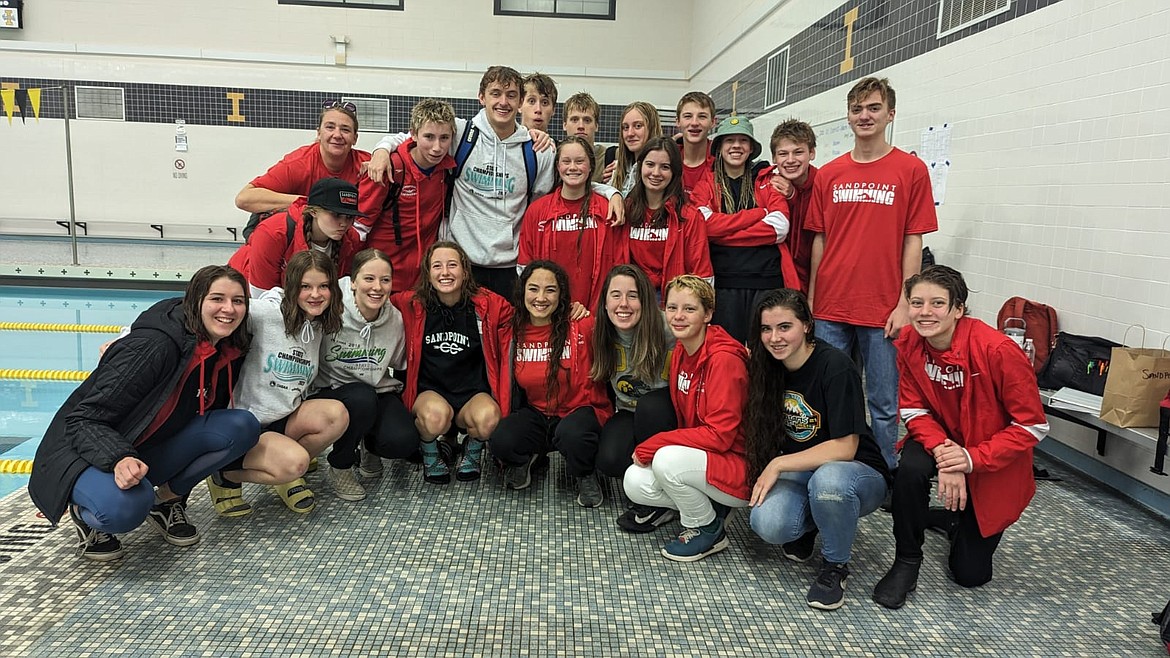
(50, 338)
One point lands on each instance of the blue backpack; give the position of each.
(467, 143)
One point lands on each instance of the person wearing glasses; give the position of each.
(331, 155)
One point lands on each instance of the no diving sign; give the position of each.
(180, 166)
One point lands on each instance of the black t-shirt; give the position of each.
(752, 268)
(452, 353)
(824, 401)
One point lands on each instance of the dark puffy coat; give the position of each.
(105, 418)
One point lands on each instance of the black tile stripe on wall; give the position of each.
(260, 108)
(885, 33)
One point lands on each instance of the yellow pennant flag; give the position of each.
(8, 96)
(34, 97)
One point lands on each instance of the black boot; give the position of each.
(899, 581)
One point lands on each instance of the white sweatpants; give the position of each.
(677, 479)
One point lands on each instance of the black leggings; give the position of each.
(971, 552)
(627, 429)
(526, 432)
(380, 417)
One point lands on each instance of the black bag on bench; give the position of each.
(1080, 362)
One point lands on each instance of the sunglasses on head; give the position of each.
(345, 105)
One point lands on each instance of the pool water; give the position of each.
(28, 403)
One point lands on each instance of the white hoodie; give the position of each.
(363, 351)
(279, 367)
(491, 193)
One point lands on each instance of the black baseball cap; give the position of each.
(336, 196)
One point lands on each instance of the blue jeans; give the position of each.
(831, 499)
(880, 361)
(205, 445)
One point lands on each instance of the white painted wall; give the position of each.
(1060, 160)
(123, 171)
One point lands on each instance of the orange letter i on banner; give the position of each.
(850, 18)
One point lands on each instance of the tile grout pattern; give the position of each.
(474, 570)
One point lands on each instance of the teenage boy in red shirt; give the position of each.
(869, 210)
(695, 120)
(407, 224)
(794, 147)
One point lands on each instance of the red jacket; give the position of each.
(582, 391)
(420, 209)
(1001, 410)
(541, 239)
(263, 257)
(711, 413)
(495, 316)
(800, 239)
(686, 246)
(747, 228)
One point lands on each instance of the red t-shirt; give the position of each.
(692, 175)
(865, 211)
(297, 171)
(648, 251)
(532, 361)
(587, 248)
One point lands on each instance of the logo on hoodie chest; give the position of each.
(949, 377)
(683, 382)
(487, 182)
(354, 355)
(290, 366)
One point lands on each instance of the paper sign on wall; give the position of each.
(935, 151)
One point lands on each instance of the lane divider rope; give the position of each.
(51, 326)
(44, 375)
(16, 466)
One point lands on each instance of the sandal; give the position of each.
(228, 500)
(296, 496)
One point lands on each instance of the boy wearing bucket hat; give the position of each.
(322, 221)
(747, 222)
(869, 210)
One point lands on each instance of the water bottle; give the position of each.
(1030, 351)
(1016, 328)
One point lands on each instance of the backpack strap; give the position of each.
(466, 144)
(529, 168)
(391, 202)
(290, 228)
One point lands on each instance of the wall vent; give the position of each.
(955, 15)
(373, 114)
(100, 103)
(776, 79)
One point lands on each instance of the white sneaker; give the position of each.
(345, 485)
(371, 464)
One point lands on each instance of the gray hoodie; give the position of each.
(363, 351)
(279, 367)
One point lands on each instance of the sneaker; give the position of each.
(643, 518)
(470, 464)
(828, 590)
(170, 519)
(902, 578)
(589, 492)
(94, 544)
(696, 543)
(435, 469)
(519, 477)
(345, 485)
(371, 464)
(227, 497)
(801, 549)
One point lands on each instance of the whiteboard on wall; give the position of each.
(836, 137)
